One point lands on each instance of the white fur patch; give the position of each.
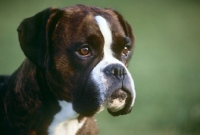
(69, 127)
(65, 121)
(97, 72)
(107, 35)
(116, 105)
(132, 86)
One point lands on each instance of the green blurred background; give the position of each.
(165, 64)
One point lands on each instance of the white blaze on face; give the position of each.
(107, 35)
(108, 58)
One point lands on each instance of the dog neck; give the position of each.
(36, 101)
(66, 121)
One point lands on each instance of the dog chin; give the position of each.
(117, 104)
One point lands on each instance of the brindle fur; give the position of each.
(29, 97)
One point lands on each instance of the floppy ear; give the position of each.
(125, 25)
(33, 35)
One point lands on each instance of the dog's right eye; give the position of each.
(84, 51)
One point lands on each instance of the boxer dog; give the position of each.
(76, 65)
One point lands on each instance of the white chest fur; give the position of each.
(65, 122)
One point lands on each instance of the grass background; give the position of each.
(165, 64)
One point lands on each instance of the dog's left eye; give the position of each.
(126, 51)
(84, 51)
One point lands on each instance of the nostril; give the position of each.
(116, 70)
(124, 71)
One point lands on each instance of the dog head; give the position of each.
(84, 53)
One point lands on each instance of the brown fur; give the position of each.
(52, 70)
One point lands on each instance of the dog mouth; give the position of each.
(119, 102)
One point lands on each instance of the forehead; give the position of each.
(79, 21)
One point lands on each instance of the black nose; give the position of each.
(115, 70)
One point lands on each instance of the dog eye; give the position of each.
(126, 51)
(84, 51)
